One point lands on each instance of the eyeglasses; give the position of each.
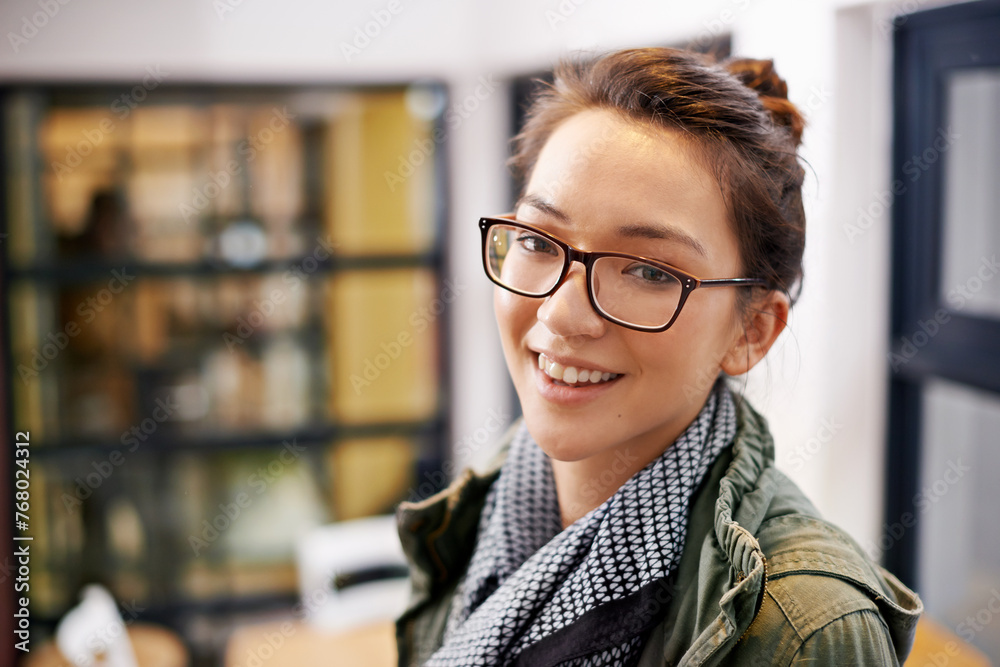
(635, 292)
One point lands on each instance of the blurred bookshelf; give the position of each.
(224, 324)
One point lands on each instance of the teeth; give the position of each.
(571, 374)
(555, 371)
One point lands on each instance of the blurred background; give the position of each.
(243, 303)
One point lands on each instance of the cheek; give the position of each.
(698, 341)
(502, 309)
(712, 313)
(514, 313)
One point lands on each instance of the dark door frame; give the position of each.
(929, 336)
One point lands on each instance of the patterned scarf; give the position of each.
(536, 594)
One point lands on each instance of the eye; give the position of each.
(650, 274)
(537, 244)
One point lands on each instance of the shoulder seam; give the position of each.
(841, 617)
(784, 613)
(785, 598)
(798, 516)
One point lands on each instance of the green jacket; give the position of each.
(762, 579)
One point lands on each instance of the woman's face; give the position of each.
(606, 184)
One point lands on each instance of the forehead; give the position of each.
(601, 145)
(603, 170)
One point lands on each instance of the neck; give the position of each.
(585, 484)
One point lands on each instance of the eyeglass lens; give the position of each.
(626, 289)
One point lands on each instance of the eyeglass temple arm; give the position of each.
(722, 282)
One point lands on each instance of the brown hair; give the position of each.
(741, 121)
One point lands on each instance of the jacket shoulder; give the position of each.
(817, 596)
(819, 619)
(824, 600)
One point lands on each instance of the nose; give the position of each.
(567, 311)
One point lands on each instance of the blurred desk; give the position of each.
(154, 646)
(295, 643)
(935, 644)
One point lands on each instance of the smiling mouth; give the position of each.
(573, 376)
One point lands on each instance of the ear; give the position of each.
(766, 319)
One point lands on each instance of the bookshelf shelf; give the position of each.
(319, 436)
(67, 272)
(199, 300)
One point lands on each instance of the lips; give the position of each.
(573, 376)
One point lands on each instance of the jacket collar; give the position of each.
(722, 528)
(438, 533)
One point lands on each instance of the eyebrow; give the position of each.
(536, 202)
(630, 231)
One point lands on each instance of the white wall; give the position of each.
(823, 388)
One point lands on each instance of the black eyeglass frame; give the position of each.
(689, 283)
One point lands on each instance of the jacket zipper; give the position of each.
(760, 601)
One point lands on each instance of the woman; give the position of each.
(635, 516)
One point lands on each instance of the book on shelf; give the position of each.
(379, 178)
(382, 355)
(369, 476)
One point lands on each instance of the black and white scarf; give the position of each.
(536, 594)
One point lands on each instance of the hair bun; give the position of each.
(759, 75)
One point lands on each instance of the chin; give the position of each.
(562, 439)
